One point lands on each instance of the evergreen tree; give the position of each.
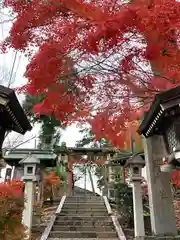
(49, 134)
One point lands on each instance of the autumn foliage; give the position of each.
(100, 62)
(11, 208)
(51, 185)
(176, 178)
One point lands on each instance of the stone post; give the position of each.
(28, 206)
(159, 188)
(138, 210)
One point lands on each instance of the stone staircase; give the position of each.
(84, 217)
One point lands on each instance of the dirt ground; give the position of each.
(41, 218)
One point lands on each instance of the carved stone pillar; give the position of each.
(159, 188)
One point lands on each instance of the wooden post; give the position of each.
(105, 175)
(70, 178)
(41, 184)
(123, 175)
(91, 180)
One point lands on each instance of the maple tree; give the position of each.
(175, 178)
(11, 208)
(124, 53)
(51, 185)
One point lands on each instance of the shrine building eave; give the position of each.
(122, 158)
(47, 157)
(84, 151)
(164, 107)
(12, 115)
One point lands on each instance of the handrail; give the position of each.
(61, 205)
(115, 221)
(52, 220)
(108, 207)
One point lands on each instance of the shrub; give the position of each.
(51, 185)
(175, 180)
(124, 201)
(11, 209)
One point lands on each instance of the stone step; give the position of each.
(83, 205)
(84, 211)
(83, 228)
(89, 204)
(82, 218)
(81, 213)
(84, 223)
(83, 208)
(81, 199)
(81, 238)
(51, 203)
(85, 202)
(84, 197)
(88, 234)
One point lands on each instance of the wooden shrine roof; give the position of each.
(84, 151)
(157, 119)
(12, 116)
(47, 157)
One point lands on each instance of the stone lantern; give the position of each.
(63, 159)
(136, 163)
(31, 168)
(31, 176)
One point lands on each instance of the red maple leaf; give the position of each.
(109, 57)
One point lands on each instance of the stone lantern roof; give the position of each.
(136, 159)
(30, 159)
